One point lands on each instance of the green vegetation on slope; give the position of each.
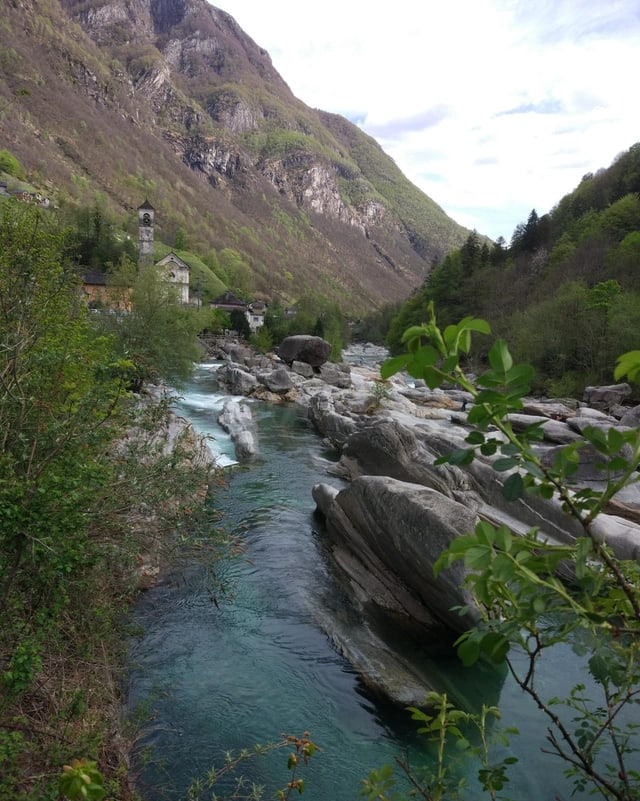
(565, 293)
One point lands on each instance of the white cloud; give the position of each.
(491, 107)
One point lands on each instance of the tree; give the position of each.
(60, 405)
(317, 316)
(470, 253)
(240, 323)
(78, 459)
(498, 253)
(527, 237)
(276, 322)
(239, 277)
(526, 606)
(622, 217)
(157, 335)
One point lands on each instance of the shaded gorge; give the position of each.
(219, 671)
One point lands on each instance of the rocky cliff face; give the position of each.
(171, 99)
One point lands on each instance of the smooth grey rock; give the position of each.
(335, 427)
(589, 470)
(605, 398)
(237, 380)
(239, 353)
(335, 375)
(592, 418)
(631, 417)
(237, 420)
(323, 496)
(555, 410)
(620, 534)
(386, 447)
(278, 380)
(304, 348)
(554, 430)
(302, 368)
(386, 535)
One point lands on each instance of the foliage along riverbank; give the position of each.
(92, 479)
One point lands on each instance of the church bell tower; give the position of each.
(145, 234)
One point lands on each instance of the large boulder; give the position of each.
(386, 535)
(335, 374)
(386, 447)
(606, 398)
(277, 381)
(236, 379)
(409, 454)
(236, 419)
(304, 348)
(631, 417)
(335, 427)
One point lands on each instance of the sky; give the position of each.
(491, 107)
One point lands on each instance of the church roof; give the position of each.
(146, 205)
(174, 258)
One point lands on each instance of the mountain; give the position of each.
(110, 103)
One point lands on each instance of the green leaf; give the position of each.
(513, 487)
(433, 377)
(618, 463)
(415, 332)
(464, 341)
(495, 646)
(597, 437)
(489, 447)
(395, 365)
(475, 324)
(503, 568)
(508, 463)
(461, 456)
(469, 652)
(504, 538)
(521, 374)
(485, 533)
(567, 460)
(424, 357)
(615, 440)
(478, 557)
(628, 365)
(539, 604)
(499, 357)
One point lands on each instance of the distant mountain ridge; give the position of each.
(170, 100)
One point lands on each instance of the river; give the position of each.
(216, 671)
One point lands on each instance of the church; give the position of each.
(175, 270)
(95, 285)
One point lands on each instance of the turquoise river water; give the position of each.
(221, 672)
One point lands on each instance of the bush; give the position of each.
(10, 164)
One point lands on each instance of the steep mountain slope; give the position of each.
(170, 100)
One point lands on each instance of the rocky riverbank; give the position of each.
(400, 509)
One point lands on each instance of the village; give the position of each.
(101, 296)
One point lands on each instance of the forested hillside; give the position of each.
(565, 292)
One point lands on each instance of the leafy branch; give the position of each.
(520, 583)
